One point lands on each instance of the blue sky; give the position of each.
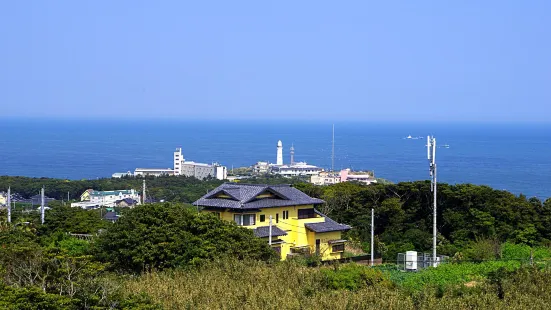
(328, 60)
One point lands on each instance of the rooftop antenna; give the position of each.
(333, 151)
(42, 205)
(9, 204)
(431, 156)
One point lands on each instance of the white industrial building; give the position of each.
(261, 167)
(325, 178)
(298, 169)
(197, 170)
(121, 174)
(153, 172)
(345, 175)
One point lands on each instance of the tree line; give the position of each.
(466, 213)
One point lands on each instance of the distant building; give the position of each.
(345, 175)
(197, 170)
(364, 177)
(126, 202)
(3, 198)
(298, 169)
(325, 178)
(86, 195)
(121, 174)
(111, 216)
(261, 167)
(153, 172)
(105, 198)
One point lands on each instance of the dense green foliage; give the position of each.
(498, 243)
(403, 215)
(162, 236)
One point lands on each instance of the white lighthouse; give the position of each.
(279, 160)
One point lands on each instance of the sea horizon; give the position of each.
(505, 156)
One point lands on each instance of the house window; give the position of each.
(285, 215)
(306, 213)
(277, 217)
(245, 219)
(338, 247)
(262, 218)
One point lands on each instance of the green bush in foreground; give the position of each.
(353, 277)
(161, 236)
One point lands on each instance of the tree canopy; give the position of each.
(168, 235)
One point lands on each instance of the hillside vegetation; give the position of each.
(168, 256)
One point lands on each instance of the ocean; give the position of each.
(513, 157)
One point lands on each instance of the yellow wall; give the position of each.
(297, 234)
(85, 196)
(3, 200)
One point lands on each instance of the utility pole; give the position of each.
(372, 235)
(42, 205)
(431, 155)
(143, 195)
(270, 232)
(68, 197)
(9, 204)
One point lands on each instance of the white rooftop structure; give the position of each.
(153, 171)
(298, 169)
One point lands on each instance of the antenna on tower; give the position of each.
(431, 156)
(333, 151)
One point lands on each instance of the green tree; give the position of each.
(159, 236)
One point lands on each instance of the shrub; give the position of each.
(163, 236)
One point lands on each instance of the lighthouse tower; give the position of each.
(279, 160)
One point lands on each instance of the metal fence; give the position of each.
(414, 261)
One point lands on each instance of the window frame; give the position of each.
(251, 219)
(286, 215)
(262, 218)
(338, 247)
(306, 213)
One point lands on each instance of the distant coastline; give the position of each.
(510, 157)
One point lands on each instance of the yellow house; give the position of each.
(3, 198)
(297, 228)
(86, 195)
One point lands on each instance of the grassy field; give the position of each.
(255, 285)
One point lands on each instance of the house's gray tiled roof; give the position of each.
(327, 226)
(111, 216)
(264, 231)
(243, 197)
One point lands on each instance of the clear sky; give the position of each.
(364, 60)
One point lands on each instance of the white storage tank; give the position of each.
(411, 261)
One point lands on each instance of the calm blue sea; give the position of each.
(512, 157)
